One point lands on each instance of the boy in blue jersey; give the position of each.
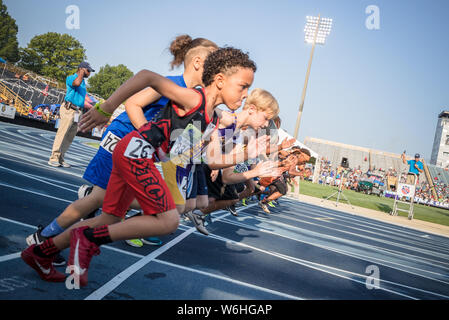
(141, 108)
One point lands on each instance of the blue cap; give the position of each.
(86, 65)
(417, 155)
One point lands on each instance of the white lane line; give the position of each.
(396, 229)
(17, 222)
(42, 164)
(341, 239)
(310, 265)
(30, 191)
(128, 272)
(10, 257)
(108, 287)
(400, 233)
(41, 180)
(364, 257)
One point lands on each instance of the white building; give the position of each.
(440, 149)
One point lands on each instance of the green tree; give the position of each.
(108, 79)
(53, 55)
(9, 47)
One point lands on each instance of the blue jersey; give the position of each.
(99, 169)
(122, 124)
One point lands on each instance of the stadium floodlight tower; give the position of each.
(316, 31)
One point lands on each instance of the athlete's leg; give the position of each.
(80, 208)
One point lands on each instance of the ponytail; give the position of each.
(183, 44)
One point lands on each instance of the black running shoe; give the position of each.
(36, 238)
(198, 221)
(58, 260)
(232, 210)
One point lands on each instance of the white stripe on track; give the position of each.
(128, 272)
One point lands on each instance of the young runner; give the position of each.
(228, 73)
(140, 109)
(228, 186)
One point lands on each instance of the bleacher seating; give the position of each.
(31, 89)
(440, 174)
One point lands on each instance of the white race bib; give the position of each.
(139, 149)
(109, 142)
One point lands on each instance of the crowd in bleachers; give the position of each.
(425, 196)
(44, 113)
(350, 177)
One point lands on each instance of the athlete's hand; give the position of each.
(287, 143)
(92, 119)
(257, 146)
(214, 175)
(269, 169)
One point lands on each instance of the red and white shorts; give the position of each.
(134, 175)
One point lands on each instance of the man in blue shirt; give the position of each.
(70, 112)
(415, 167)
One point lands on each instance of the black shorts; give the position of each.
(196, 182)
(280, 185)
(217, 189)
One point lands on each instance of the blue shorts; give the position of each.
(99, 169)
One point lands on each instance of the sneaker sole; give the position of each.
(55, 165)
(133, 244)
(151, 243)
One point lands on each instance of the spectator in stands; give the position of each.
(69, 113)
(415, 167)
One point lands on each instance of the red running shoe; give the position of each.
(43, 266)
(81, 252)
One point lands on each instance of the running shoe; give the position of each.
(84, 190)
(58, 260)
(244, 202)
(65, 164)
(136, 243)
(36, 238)
(43, 266)
(81, 253)
(152, 241)
(264, 207)
(232, 210)
(271, 204)
(54, 163)
(198, 221)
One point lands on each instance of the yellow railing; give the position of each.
(7, 94)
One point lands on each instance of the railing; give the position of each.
(429, 179)
(21, 105)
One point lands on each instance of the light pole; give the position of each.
(316, 31)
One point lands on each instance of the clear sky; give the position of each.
(381, 89)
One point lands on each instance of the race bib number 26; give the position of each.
(139, 149)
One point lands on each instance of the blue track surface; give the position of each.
(300, 251)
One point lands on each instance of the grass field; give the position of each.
(95, 145)
(421, 212)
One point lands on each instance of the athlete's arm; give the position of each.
(218, 160)
(266, 168)
(134, 106)
(185, 98)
